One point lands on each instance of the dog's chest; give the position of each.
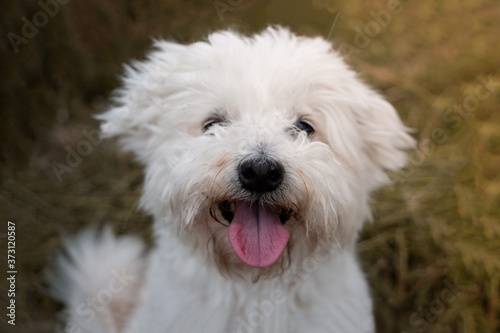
(193, 298)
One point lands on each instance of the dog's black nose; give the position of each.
(261, 175)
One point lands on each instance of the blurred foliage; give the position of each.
(433, 253)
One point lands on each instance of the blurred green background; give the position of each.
(432, 255)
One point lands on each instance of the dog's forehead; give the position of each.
(253, 91)
(267, 80)
(275, 73)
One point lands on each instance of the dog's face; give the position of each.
(254, 144)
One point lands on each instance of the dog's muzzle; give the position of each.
(256, 232)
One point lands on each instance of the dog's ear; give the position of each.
(138, 108)
(384, 138)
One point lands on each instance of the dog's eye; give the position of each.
(306, 127)
(211, 122)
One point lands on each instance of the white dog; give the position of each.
(260, 154)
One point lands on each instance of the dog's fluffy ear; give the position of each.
(138, 107)
(385, 138)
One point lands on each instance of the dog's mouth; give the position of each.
(227, 209)
(256, 232)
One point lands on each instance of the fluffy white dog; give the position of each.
(260, 154)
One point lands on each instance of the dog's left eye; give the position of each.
(306, 127)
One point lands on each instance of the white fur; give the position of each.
(262, 85)
(98, 274)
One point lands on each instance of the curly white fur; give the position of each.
(258, 88)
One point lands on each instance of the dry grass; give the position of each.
(432, 255)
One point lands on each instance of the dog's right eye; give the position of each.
(211, 122)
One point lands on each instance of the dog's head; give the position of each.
(252, 144)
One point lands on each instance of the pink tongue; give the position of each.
(256, 234)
